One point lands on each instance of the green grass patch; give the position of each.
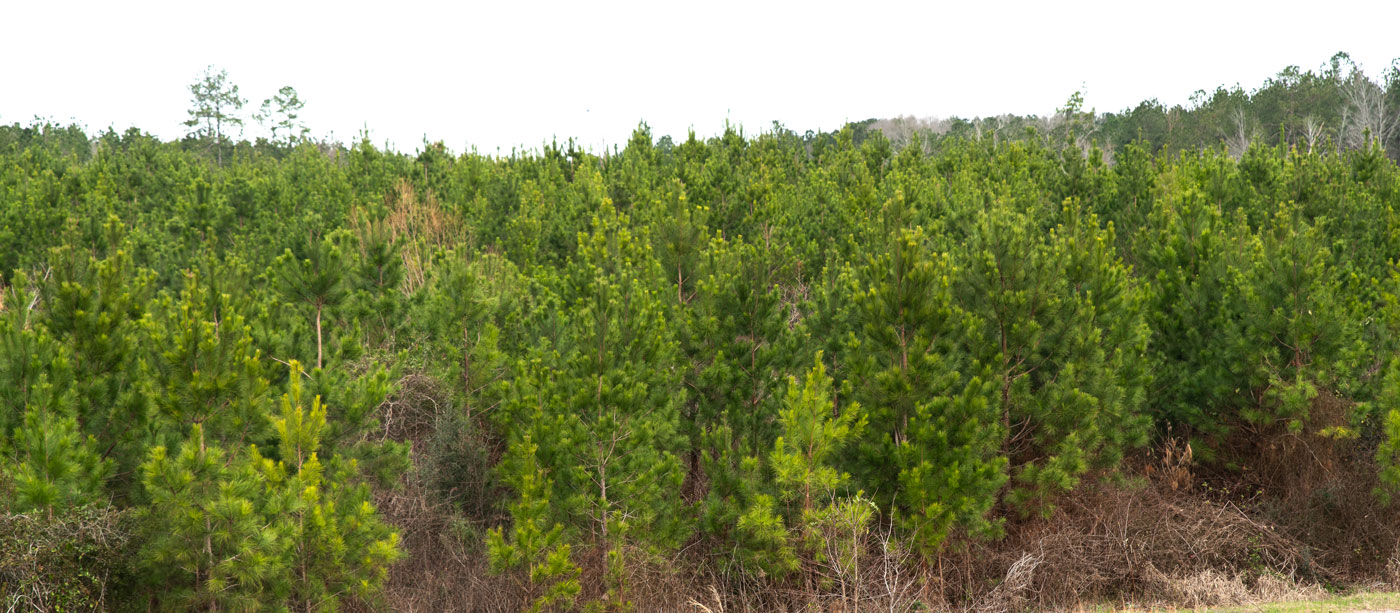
(1365, 601)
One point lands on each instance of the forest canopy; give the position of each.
(771, 369)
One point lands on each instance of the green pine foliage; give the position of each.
(54, 466)
(805, 515)
(935, 432)
(35, 371)
(603, 403)
(600, 364)
(1060, 327)
(94, 308)
(315, 281)
(737, 341)
(535, 545)
(337, 549)
(204, 369)
(1193, 260)
(209, 546)
(1298, 330)
(1388, 450)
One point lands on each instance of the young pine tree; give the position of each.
(54, 466)
(1061, 328)
(211, 543)
(603, 404)
(932, 447)
(535, 543)
(203, 369)
(94, 307)
(1300, 327)
(35, 369)
(1192, 261)
(806, 517)
(337, 547)
(316, 281)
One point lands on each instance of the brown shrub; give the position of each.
(420, 226)
(1112, 543)
(78, 560)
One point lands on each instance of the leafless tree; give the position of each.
(998, 124)
(907, 129)
(1364, 112)
(1241, 134)
(1313, 130)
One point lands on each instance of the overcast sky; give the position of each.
(499, 74)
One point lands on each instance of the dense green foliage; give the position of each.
(764, 345)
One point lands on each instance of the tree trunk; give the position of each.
(318, 335)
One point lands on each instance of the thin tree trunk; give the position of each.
(467, 372)
(318, 335)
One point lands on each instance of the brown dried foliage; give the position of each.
(420, 226)
(77, 560)
(445, 567)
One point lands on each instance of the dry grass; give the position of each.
(1112, 544)
(420, 226)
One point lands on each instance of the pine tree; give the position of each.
(1300, 331)
(803, 459)
(738, 345)
(211, 545)
(203, 369)
(94, 307)
(805, 516)
(608, 397)
(35, 370)
(337, 547)
(1388, 450)
(933, 443)
(681, 234)
(316, 280)
(1193, 261)
(461, 315)
(375, 277)
(282, 112)
(535, 542)
(215, 105)
(55, 466)
(1061, 329)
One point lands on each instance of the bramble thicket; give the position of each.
(890, 366)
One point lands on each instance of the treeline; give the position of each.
(744, 355)
(1334, 107)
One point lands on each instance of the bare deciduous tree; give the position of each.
(1365, 115)
(1313, 130)
(907, 129)
(1241, 134)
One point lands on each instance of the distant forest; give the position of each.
(1335, 107)
(1008, 363)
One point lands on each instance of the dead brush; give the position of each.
(650, 582)
(880, 575)
(80, 559)
(419, 226)
(444, 567)
(1172, 468)
(1115, 544)
(1315, 485)
(413, 409)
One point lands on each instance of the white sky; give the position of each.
(501, 74)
